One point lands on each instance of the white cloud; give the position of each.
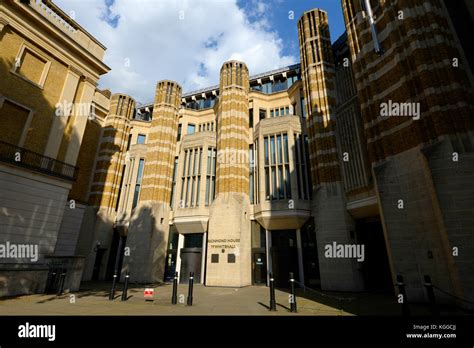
(159, 45)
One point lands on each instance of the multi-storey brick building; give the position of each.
(49, 70)
(268, 172)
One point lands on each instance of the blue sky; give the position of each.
(278, 13)
(187, 41)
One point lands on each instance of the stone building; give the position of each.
(348, 169)
(49, 71)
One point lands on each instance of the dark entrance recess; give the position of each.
(117, 249)
(191, 257)
(170, 267)
(98, 262)
(284, 257)
(259, 255)
(375, 268)
(310, 255)
(259, 266)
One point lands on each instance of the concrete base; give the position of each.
(147, 241)
(97, 228)
(230, 238)
(333, 224)
(73, 265)
(18, 280)
(436, 216)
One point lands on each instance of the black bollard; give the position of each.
(61, 284)
(54, 284)
(112, 291)
(293, 295)
(272, 293)
(401, 291)
(431, 296)
(190, 290)
(125, 287)
(174, 297)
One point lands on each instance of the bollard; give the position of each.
(401, 291)
(53, 284)
(125, 287)
(272, 293)
(174, 297)
(190, 290)
(61, 284)
(112, 291)
(50, 282)
(431, 296)
(293, 295)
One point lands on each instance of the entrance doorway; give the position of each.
(98, 262)
(259, 266)
(376, 267)
(171, 255)
(191, 257)
(310, 255)
(284, 254)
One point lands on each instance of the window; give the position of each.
(255, 167)
(250, 118)
(302, 167)
(303, 107)
(31, 66)
(191, 128)
(280, 85)
(251, 178)
(276, 166)
(173, 187)
(262, 114)
(13, 120)
(138, 183)
(267, 88)
(180, 126)
(210, 175)
(129, 141)
(141, 139)
(191, 178)
(277, 112)
(272, 113)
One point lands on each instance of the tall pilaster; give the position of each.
(228, 254)
(149, 225)
(332, 222)
(107, 178)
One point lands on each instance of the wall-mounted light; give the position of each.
(373, 29)
(97, 246)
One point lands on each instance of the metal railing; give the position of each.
(19, 156)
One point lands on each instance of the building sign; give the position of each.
(223, 243)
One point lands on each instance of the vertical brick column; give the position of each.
(159, 161)
(107, 177)
(111, 155)
(232, 173)
(229, 224)
(412, 156)
(332, 222)
(318, 76)
(149, 225)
